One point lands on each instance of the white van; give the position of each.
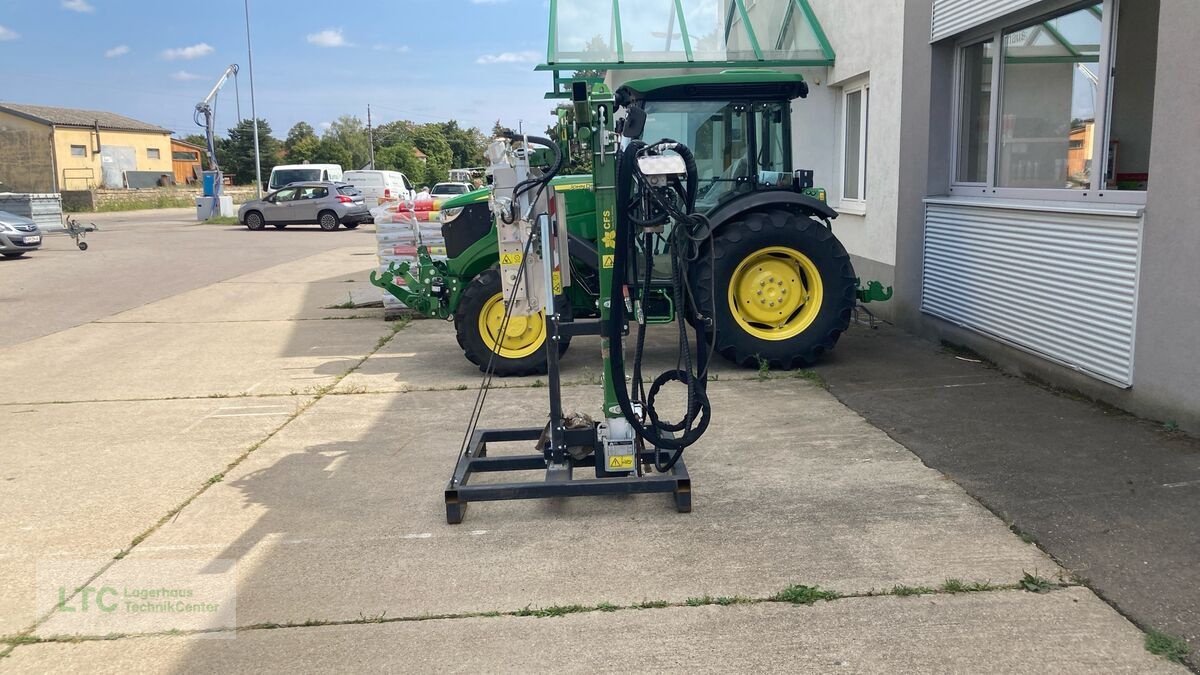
(381, 187)
(295, 173)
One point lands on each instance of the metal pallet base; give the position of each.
(559, 480)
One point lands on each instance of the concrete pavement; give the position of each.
(240, 421)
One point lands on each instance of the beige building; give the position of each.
(45, 149)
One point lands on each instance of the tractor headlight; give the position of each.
(449, 215)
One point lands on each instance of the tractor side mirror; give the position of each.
(635, 122)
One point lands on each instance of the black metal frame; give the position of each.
(559, 480)
(555, 459)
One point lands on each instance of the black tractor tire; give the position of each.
(280, 226)
(350, 226)
(475, 298)
(738, 240)
(254, 221)
(328, 221)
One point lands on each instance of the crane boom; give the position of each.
(205, 109)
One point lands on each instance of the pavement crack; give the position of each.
(792, 595)
(8, 644)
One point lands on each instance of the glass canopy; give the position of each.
(624, 34)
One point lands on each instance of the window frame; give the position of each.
(857, 206)
(995, 32)
(84, 152)
(157, 153)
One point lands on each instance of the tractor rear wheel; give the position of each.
(782, 287)
(477, 324)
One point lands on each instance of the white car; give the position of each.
(381, 187)
(448, 190)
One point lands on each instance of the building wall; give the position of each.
(26, 158)
(864, 34)
(65, 137)
(1166, 367)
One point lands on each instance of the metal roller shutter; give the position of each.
(951, 17)
(1059, 283)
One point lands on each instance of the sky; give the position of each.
(421, 60)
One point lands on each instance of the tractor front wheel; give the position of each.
(782, 287)
(520, 349)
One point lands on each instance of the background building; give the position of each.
(44, 149)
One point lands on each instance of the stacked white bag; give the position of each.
(398, 233)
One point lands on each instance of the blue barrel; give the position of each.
(212, 182)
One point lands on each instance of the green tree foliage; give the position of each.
(301, 144)
(349, 133)
(330, 151)
(236, 153)
(400, 157)
(428, 138)
(466, 145)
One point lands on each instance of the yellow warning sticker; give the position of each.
(608, 262)
(556, 277)
(510, 259)
(621, 462)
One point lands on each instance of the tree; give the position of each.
(351, 134)
(400, 157)
(466, 145)
(428, 138)
(236, 153)
(331, 151)
(299, 131)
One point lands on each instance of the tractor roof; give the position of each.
(754, 83)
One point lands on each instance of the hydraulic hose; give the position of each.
(699, 409)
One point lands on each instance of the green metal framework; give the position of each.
(795, 40)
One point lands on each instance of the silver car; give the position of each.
(324, 203)
(18, 235)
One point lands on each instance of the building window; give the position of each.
(185, 156)
(152, 153)
(855, 106)
(79, 151)
(1049, 110)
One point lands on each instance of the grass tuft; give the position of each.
(1167, 646)
(804, 595)
(1035, 584)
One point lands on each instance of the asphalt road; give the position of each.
(136, 258)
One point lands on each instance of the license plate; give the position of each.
(32, 240)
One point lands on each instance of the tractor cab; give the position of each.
(737, 123)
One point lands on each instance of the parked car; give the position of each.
(448, 190)
(18, 235)
(325, 203)
(285, 174)
(381, 186)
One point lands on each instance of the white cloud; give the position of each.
(184, 76)
(509, 57)
(390, 48)
(8, 34)
(78, 6)
(330, 37)
(119, 50)
(188, 53)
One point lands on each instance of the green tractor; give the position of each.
(781, 283)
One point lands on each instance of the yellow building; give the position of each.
(44, 149)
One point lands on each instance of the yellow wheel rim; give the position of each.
(775, 293)
(524, 334)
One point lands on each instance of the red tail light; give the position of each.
(345, 200)
(387, 193)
